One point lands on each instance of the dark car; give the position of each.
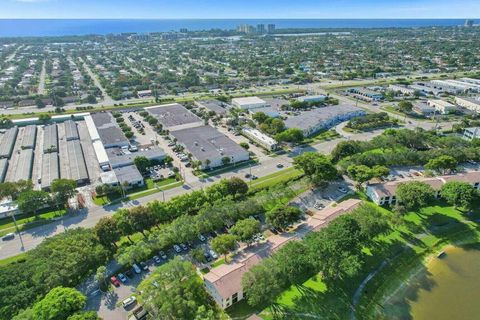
(144, 266)
(207, 256)
(129, 273)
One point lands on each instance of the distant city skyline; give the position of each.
(216, 9)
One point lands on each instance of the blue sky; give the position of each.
(178, 9)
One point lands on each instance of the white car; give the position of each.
(177, 248)
(122, 277)
(342, 190)
(213, 254)
(202, 238)
(137, 268)
(128, 302)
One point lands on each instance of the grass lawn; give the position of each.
(405, 246)
(149, 188)
(275, 178)
(28, 221)
(219, 262)
(322, 136)
(13, 259)
(227, 168)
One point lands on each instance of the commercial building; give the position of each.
(3, 168)
(312, 99)
(405, 90)
(71, 130)
(92, 129)
(426, 89)
(210, 146)
(76, 169)
(29, 137)
(248, 103)
(50, 138)
(442, 106)
(311, 122)
(469, 103)
(24, 164)
(455, 86)
(175, 117)
(260, 138)
(385, 193)
(7, 142)
(108, 130)
(471, 133)
(423, 109)
(366, 94)
(50, 169)
(121, 157)
(219, 107)
(129, 176)
(269, 111)
(144, 93)
(101, 155)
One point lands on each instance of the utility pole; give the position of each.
(18, 231)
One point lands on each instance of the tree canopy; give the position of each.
(458, 194)
(415, 194)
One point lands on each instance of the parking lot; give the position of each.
(317, 199)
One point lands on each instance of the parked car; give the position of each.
(157, 259)
(342, 189)
(136, 268)
(122, 278)
(184, 247)
(213, 254)
(254, 177)
(115, 281)
(8, 236)
(279, 165)
(177, 248)
(248, 175)
(202, 238)
(162, 255)
(144, 266)
(129, 301)
(207, 256)
(129, 273)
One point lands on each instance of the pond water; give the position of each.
(446, 288)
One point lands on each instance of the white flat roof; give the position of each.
(248, 100)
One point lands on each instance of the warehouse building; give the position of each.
(216, 106)
(442, 106)
(121, 157)
(260, 138)
(129, 176)
(71, 130)
(175, 117)
(101, 155)
(29, 137)
(50, 169)
(469, 103)
(77, 169)
(366, 94)
(50, 138)
(3, 169)
(248, 103)
(108, 130)
(405, 90)
(312, 99)
(92, 129)
(210, 146)
(23, 170)
(7, 142)
(310, 122)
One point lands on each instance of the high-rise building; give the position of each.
(271, 28)
(245, 28)
(183, 30)
(469, 23)
(261, 28)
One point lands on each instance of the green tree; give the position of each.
(244, 145)
(260, 117)
(59, 304)
(63, 190)
(174, 291)
(414, 194)
(101, 275)
(405, 106)
(226, 160)
(142, 163)
(362, 173)
(224, 243)
(245, 229)
(32, 200)
(133, 253)
(345, 149)
(442, 164)
(317, 167)
(236, 186)
(198, 254)
(264, 283)
(85, 315)
(292, 135)
(281, 217)
(458, 194)
(107, 231)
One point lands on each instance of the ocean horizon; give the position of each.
(64, 27)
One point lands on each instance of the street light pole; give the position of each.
(18, 231)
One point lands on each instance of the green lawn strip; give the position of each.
(424, 233)
(136, 193)
(227, 168)
(275, 178)
(13, 259)
(219, 262)
(25, 222)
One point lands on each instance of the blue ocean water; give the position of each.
(59, 27)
